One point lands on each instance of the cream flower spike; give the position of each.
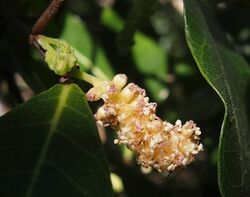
(126, 108)
(156, 143)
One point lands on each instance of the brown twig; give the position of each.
(34, 43)
(42, 22)
(47, 15)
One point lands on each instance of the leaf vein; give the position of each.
(54, 122)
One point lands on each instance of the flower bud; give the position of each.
(59, 55)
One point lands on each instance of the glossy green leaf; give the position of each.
(228, 73)
(50, 146)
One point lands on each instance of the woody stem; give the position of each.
(42, 22)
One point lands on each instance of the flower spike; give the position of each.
(127, 109)
(156, 143)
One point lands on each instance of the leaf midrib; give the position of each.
(53, 125)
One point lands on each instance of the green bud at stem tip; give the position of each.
(59, 55)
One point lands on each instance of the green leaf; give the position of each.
(149, 57)
(138, 17)
(80, 38)
(228, 73)
(157, 90)
(111, 19)
(184, 69)
(50, 146)
(151, 61)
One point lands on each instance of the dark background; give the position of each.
(146, 41)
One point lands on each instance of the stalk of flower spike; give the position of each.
(126, 108)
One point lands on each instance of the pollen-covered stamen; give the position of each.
(156, 143)
(107, 115)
